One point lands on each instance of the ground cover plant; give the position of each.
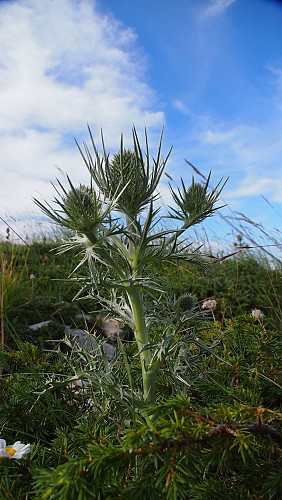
(190, 405)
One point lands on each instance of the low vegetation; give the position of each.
(189, 407)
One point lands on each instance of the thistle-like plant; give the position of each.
(129, 170)
(116, 225)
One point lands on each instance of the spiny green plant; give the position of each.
(185, 303)
(117, 229)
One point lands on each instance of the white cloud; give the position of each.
(251, 155)
(276, 74)
(61, 68)
(255, 148)
(217, 7)
(252, 186)
(181, 106)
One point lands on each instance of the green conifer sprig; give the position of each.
(177, 452)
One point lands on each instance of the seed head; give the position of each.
(185, 303)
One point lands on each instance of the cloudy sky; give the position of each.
(210, 71)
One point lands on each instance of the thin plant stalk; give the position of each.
(141, 336)
(2, 292)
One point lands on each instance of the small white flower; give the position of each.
(257, 314)
(32, 276)
(16, 450)
(209, 304)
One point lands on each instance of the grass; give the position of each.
(215, 430)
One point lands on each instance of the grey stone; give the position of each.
(88, 341)
(37, 326)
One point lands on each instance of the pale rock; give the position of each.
(112, 328)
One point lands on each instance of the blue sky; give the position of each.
(209, 70)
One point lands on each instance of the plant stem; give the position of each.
(2, 292)
(149, 372)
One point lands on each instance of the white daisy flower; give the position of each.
(16, 450)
